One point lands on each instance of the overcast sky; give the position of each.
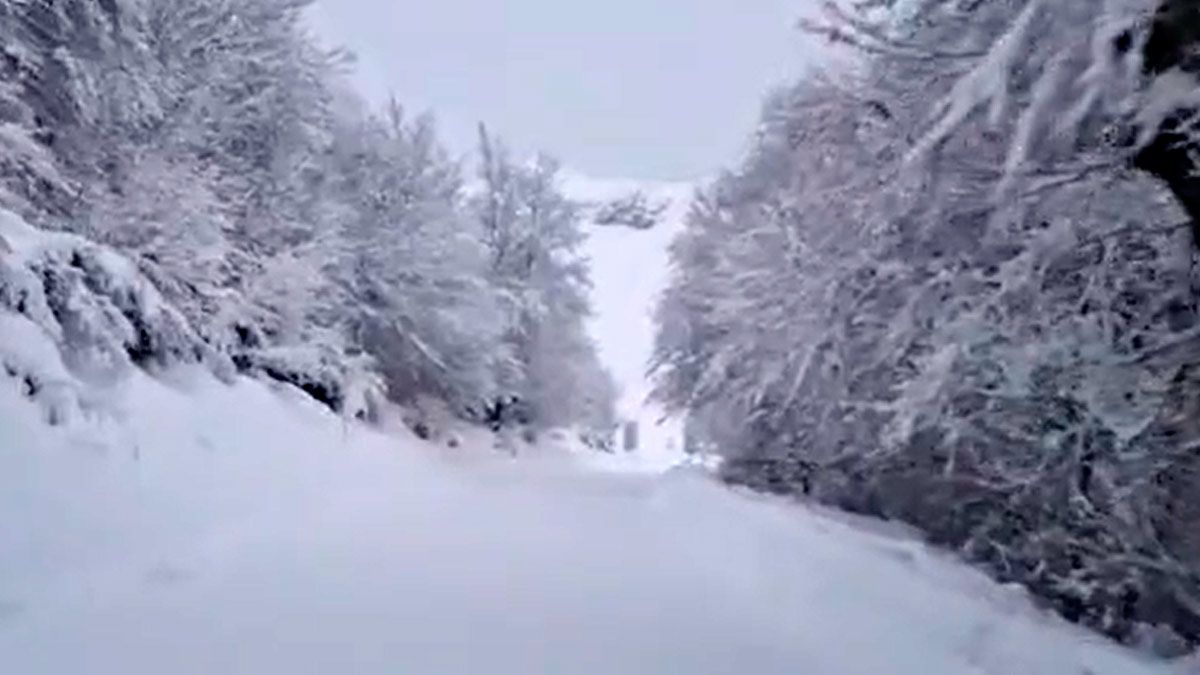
(650, 89)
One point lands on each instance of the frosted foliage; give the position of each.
(1067, 87)
(300, 236)
(633, 210)
(938, 292)
(413, 265)
(77, 316)
(252, 98)
(533, 232)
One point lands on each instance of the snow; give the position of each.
(212, 528)
(182, 524)
(67, 302)
(629, 270)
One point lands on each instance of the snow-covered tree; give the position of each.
(249, 94)
(213, 143)
(413, 266)
(1069, 87)
(940, 291)
(48, 98)
(533, 233)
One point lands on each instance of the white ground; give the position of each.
(243, 530)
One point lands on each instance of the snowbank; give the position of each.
(78, 318)
(75, 317)
(211, 528)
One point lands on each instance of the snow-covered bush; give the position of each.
(633, 210)
(92, 305)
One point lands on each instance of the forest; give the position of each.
(955, 285)
(296, 233)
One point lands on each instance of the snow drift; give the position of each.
(155, 518)
(201, 527)
(78, 317)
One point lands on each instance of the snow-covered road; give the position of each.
(629, 270)
(235, 530)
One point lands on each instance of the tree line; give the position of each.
(304, 234)
(954, 285)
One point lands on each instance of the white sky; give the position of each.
(649, 89)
